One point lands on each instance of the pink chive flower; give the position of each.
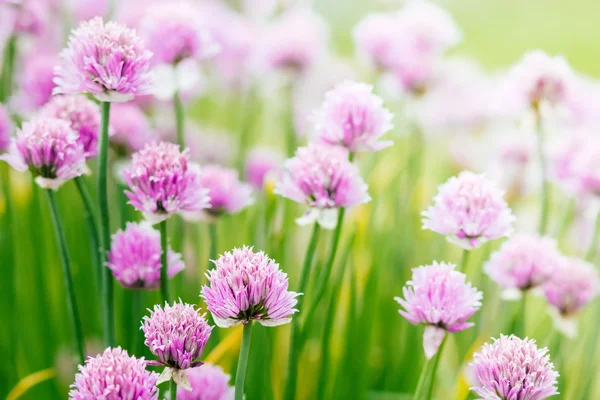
(177, 335)
(248, 286)
(293, 42)
(27, 16)
(469, 210)
(6, 127)
(523, 262)
(322, 178)
(163, 181)
(511, 368)
(439, 297)
(129, 128)
(108, 61)
(585, 167)
(227, 193)
(208, 382)
(573, 285)
(82, 114)
(353, 117)
(36, 79)
(174, 32)
(114, 375)
(134, 257)
(375, 37)
(49, 149)
(260, 162)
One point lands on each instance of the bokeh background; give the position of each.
(362, 348)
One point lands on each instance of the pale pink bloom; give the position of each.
(260, 163)
(375, 37)
(247, 286)
(129, 128)
(469, 210)
(511, 368)
(227, 193)
(439, 297)
(353, 117)
(88, 9)
(36, 79)
(208, 382)
(6, 129)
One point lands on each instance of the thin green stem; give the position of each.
(164, 277)
(434, 368)
(419, 391)
(591, 252)
(179, 120)
(90, 219)
(545, 198)
(66, 264)
(136, 307)
(295, 331)
(6, 83)
(109, 317)
(519, 324)
(173, 390)
(213, 237)
(290, 130)
(464, 260)
(240, 375)
(566, 218)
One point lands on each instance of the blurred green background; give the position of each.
(360, 347)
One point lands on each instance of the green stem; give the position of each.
(179, 120)
(109, 317)
(213, 237)
(90, 219)
(240, 375)
(545, 200)
(591, 252)
(295, 331)
(519, 324)
(164, 277)
(566, 218)
(290, 130)
(136, 307)
(419, 391)
(435, 367)
(173, 390)
(6, 84)
(464, 260)
(66, 264)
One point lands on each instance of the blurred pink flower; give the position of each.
(439, 297)
(260, 162)
(375, 37)
(88, 9)
(6, 129)
(134, 257)
(129, 128)
(209, 382)
(512, 368)
(469, 210)
(227, 193)
(247, 286)
(36, 79)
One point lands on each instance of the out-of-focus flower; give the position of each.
(572, 285)
(134, 257)
(82, 114)
(162, 181)
(50, 150)
(469, 210)
(208, 382)
(523, 262)
(375, 37)
(322, 178)
(114, 375)
(129, 129)
(439, 297)
(293, 42)
(585, 167)
(27, 16)
(259, 163)
(177, 335)
(87, 9)
(247, 286)
(36, 79)
(6, 127)
(227, 193)
(353, 117)
(512, 368)
(108, 61)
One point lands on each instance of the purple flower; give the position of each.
(208, 382)
(162, 181)
(248, 286)
(49, 149)
(322, 178)
(82, 114)
(134, 257)
(129, 128)
(227, 193)
(439, 297)
(173, 31)
(469, 210)
(572, 285)
(108, 61)
(114, 375)
(6, 127)
(353, 117)
(523, 262)
(260, 162)
(177, 335)
(513, 369)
